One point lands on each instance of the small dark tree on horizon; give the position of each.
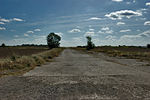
(148, 45)
(53, 40)
(90, 44)
(3, 45)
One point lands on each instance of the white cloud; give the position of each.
(90, 26)
(123, 13)
(75, 41)
(9, 20)
(101, 32)
(16, 36)
(105, 28)
(17, 19)
(123, 31)
(109, 31)
(89, 33)
(147, 4)
(145, 34)
(75, 31)
(142, 10)
(147, 23)
(37, 30)
(117, 0)
(128, 3)
(94, 18)
(134, 1)
(2, 28)
(60, 34)
(91, 29)
(133, 40)
(124, 37)
(120, 23)
(110, 37)
(26, 35)
(138, 30)
(137, 39)
(128, 38)
(2, 23)
(30, 32)
(4, 20)
(35, 39)
(77, 26)
(143, 18)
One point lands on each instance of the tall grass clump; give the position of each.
(39, 60)
(27, 62)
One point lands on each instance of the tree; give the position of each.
(53, 40)
(3, 45)
(90, 44)
(148, 45)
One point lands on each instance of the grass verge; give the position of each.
(127, 52)
(16, 65)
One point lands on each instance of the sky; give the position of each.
(108, 22)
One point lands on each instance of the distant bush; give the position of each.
(32, 45)
(90, 44)
(148, 45)
(81, 46)
(13, 58)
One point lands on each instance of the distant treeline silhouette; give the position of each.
(24, 45)
(34, 45)
(148, 46)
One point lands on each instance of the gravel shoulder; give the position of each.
(77, 75)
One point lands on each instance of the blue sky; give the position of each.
(108, 22)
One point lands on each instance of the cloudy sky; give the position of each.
(109, 22)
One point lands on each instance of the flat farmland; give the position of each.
(7, 52)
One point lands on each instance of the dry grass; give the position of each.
(20, 51)
(128, 52)
(18, 64)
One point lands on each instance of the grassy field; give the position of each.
(18, 62)
(7, 52)
(123, 51)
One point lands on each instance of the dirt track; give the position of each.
(80, 76)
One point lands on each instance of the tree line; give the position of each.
(53, 41)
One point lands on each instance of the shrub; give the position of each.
(5, 64)
(90, 44)
(148, 45)
(39, 60)
(26, 61)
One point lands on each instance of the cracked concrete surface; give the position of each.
(76, 75)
